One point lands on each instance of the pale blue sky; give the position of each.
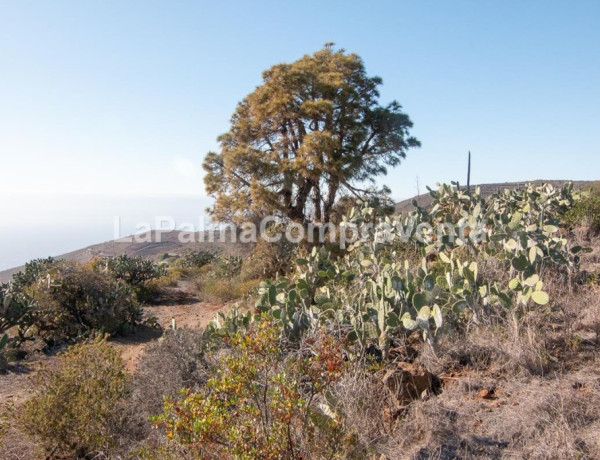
(126, 97)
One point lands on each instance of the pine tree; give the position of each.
(312, 132)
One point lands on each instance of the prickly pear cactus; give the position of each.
(372, 295)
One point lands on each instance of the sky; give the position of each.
(122, 99)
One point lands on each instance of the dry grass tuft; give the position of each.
(368, 409)
(225, 290)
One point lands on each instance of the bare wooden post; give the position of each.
(469, 173)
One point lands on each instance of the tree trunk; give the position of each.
(334, 185)
(298, 211)
(317, 200)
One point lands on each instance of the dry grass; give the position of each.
(535, 418)
(176, 361)
(368, 410)
(225, 290)
(559, 418)
(516, 384)
(522, 385)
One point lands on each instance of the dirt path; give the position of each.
(16, 385)
(181, 306)
(178, 304)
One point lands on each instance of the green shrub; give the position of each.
(135, 271)
(73, 405)
(262, 403)
(77, 300)
(191, 265)
(15, 311)
(196, 259)
(585, 212)
(15, 319)
(3, 360)
(227, 267)
(32, 271)
(594, 188)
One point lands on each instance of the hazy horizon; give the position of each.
(35, 228)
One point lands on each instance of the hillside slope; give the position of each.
(169, 242)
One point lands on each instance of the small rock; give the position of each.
(486, 393)
(497, 404)
(408, 382)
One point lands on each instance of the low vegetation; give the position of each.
(586, 212)
(59, 301)
(77, 300)
(375, 297)
(261, 402)
(74, 404)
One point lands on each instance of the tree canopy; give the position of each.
(312, 132)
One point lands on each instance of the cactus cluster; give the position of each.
(135, 271)
(372, 294)
(196, 259)
(15, 313)
(228, 323)
(59, 300)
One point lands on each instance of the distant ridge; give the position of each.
(169, 243)
(425, 199)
